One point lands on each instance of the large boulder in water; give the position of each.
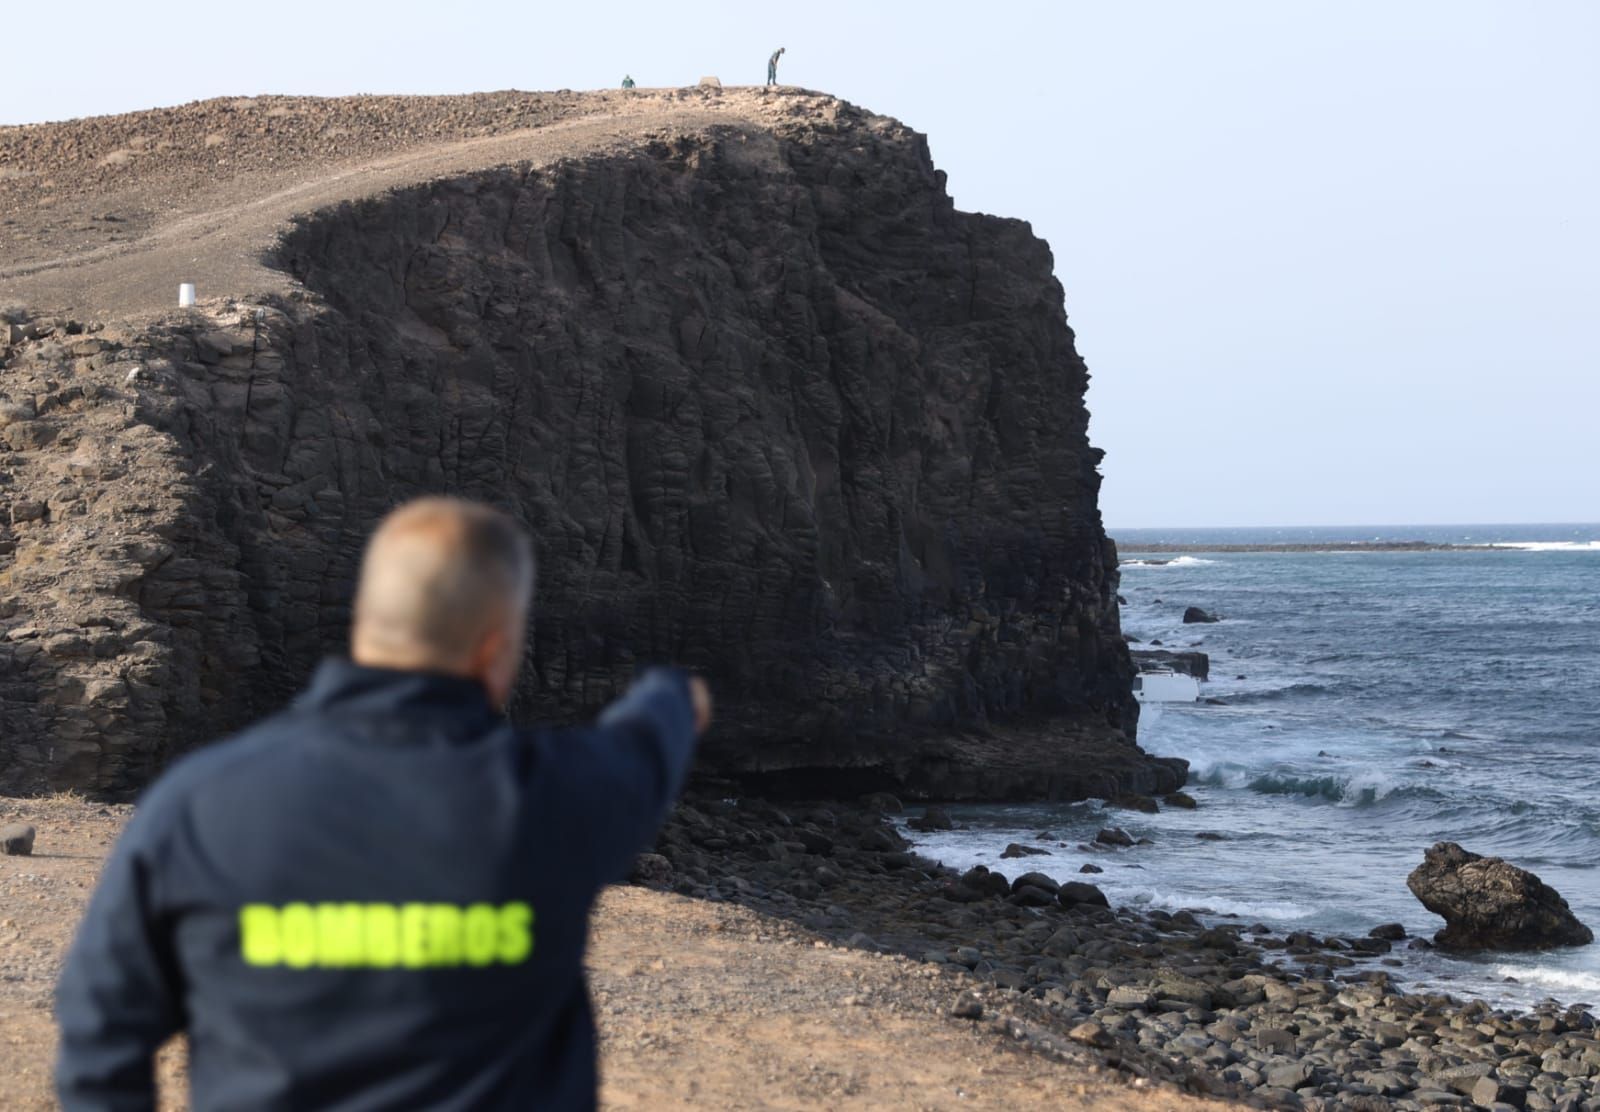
(1489, 904)
(1196, 616)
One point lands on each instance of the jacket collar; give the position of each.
(340, 686)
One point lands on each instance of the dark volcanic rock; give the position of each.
(1114, 836)
(772, 406)
(1017, 849)
(651, 870)
(1194, 615)
(931, 819)
(1076, 892)
(1488, 904)
(1036, 880)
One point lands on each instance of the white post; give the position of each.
(186, 295)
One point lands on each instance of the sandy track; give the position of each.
(215, 235)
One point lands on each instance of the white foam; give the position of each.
(1175, 562)
(1546, 546)
(1219, 905)
(1546, 976)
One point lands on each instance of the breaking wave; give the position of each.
(1547, 546)
(1175, 562)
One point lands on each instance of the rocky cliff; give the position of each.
(773, 407)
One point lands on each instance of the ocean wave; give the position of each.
(1212, 904)
(1287, 691)
(1545, 546)
(1546, 976)
(1355, 791)
(1175, 562)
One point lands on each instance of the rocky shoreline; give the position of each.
(1223, 1008)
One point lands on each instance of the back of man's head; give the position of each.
(445, 585)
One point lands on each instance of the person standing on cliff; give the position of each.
(380, 896)
(772, 66)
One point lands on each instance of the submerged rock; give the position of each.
(1490, 904)
(1017, 849)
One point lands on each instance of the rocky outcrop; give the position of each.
(1489, 904)
(1194, 615)
(773, 408)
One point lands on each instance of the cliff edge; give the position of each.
(772, 406)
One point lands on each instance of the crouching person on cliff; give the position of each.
(380, 897)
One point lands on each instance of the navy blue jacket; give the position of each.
(376, 899)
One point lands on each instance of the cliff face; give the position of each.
(773, 408)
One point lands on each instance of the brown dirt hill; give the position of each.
(774, 408)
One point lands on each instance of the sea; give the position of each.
(1368, 704)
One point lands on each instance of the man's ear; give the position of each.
(486, 657)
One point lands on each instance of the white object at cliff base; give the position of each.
(1165, 686)
(186, 295)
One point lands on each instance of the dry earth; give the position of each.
(105, 217)
(700, 1004)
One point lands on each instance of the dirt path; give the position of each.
(62, 251)
(700, 1005)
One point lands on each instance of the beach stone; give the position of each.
(981, 879)
(967, 1007)
(931, 819)
(1130, 996)
(1035, 880)
(1062, 943)
(651, 870)
(1090, 1033)
(1389, 932)
(1142, 803)
(1276, 1040)
(1114, 836)
(1489, 904)
(1462, 1079)
(1076, 892)
(1490, 1091)
(1181, 800)
(1195, 616)
(883, 802)
(1290, 1075)
(16, 840)
(1090, 868)
(1029, 896)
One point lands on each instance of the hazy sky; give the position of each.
(1329, 262)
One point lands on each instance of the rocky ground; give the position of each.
(701, 1003)
(800, 957)
(1224, 1008)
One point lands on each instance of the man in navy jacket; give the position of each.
(379, 898)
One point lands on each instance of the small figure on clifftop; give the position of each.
(772, 66)
(627, 82)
